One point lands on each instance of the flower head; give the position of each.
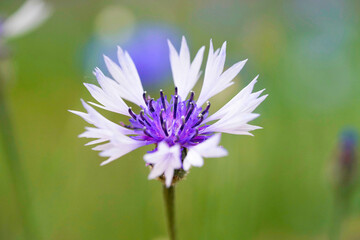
(178, 125)
(347, 157)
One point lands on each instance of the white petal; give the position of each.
(169, 174)
(108, 95)
(234, 116)
(215, 80)
(184, 53)
(95, 118)
(119, 146)
(192, 158)
(29, 16)
(97, 141)
(207, 149)
(165, 160)
(117, 143)
(109, 102)
(185, 74)
(126, 75)
(210, 148)
(92, 132)
(235, 101)
(158, 170)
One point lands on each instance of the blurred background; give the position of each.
(287, 182)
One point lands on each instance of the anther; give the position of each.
(129, 126)
(176, 91)
(163, 123)
(207, 108)
(161, 117)
(144, 97)
(151, 107)
(132, 113)
(175, 105)
(126, 126)
(146, 132)
(162, 98)
(190, 111)
(141, 122)
(183, 123)
(143, 117)
(192, 94)
(201, 118)
(196, 132)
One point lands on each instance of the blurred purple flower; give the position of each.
(147, 46)
(347, 156)
(150, 53)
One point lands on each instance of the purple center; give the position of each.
(173, 121)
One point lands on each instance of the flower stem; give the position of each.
(169, 198)
(341, 204)
(14, 167)
(336, 221)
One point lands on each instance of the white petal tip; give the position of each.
(150, 177)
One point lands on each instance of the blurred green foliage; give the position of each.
(276, 185)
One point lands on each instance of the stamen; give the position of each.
(144, 97)
(176, 91)
(162, 99)
(161, 117)
(201, 118)
(196, 132)
(164, 129)
(146, 132)
(141, 122)
(163, 123)
(128, 126)
(132, 113)
(151, 107)
(183, 123)
(143, 117)
(175, 104)
(190, 111)
(192, 94)
(207, 108)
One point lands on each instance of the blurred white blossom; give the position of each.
(28, 17)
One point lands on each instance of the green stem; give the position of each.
(169, 198)
(339, 212)
(335, 227)
(14, 167)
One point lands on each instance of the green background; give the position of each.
(275, 185)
